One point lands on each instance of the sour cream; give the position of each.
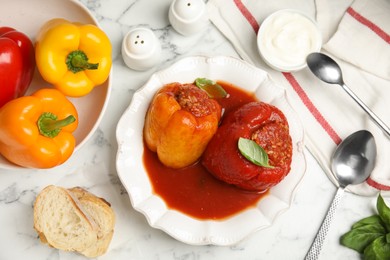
(286, 37)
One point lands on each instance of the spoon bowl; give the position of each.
(352, 163)
(327, 70)
(354, 158)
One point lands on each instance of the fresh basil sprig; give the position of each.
(371, 236)
(253, 152)
(212, 88)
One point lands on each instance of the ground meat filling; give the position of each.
(194, 100)
(274, 138)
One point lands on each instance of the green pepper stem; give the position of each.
(49, 126)
(78, 61)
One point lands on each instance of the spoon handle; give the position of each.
(377, 120)
(316, 247)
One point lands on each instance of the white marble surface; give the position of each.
(93, 167)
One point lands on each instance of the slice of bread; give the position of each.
(92, 229)
(60, 221)
(103, 215)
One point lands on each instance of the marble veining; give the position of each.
(93, 167)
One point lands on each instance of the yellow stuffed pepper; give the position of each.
(179, 123)
(73, 57)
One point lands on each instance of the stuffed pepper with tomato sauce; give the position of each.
(261, 125)
(179, 123)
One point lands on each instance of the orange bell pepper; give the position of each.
(36, 131)
(179, 123)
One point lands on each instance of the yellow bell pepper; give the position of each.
(73, 57)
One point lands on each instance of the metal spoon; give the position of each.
(352, 163)
(329, 71)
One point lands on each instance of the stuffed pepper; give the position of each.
(252, 148)
(179, 123)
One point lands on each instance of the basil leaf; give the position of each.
(359, 238)
(253, 152)
(372, 220)
(202, 82)
(371, 235)
(384, 211)
(212, 88)
(378, 250)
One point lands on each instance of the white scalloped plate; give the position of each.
(28, 17)
(136, 181)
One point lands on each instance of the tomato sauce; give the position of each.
(193, 190)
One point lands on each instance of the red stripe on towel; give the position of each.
(373, 27)
(248, 16)
(312, 108)
(377, 185)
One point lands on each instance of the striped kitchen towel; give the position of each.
(356, 34)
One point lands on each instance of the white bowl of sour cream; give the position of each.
(286, 37)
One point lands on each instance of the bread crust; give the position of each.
(103, 216)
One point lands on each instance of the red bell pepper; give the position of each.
(17, 64)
